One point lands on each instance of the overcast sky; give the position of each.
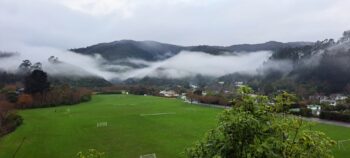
(77, 23)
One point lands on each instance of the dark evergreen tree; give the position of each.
(36, 82)
(25, 66)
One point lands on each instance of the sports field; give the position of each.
(337, 133)
(122, 126)
(136, 125)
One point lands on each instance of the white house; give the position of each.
(317, 97)
(169, 93)
(338, 97)
(329, 102)
(238, 83)
(315, 109)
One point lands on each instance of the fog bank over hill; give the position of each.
(138, 59)
(188, 64)
(128, 59)
(72, 64)
(266, 64)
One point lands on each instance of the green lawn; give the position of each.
(337, 133)
(61, 132)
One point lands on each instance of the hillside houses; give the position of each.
(329, 102)
(338, 97)
(169, 93)
(333, 99)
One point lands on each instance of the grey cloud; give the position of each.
(189, 64)
(186, 22)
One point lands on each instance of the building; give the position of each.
(315, 109)
(238, 83)
(329, 102)
(338, 97)
(169, 93)
(317, 97)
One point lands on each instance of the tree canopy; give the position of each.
(36, 82)
(252, 128)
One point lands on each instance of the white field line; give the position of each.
(156, 114)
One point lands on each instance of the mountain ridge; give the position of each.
(154, 51)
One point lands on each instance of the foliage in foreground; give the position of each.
(255, 129)
(9, 120)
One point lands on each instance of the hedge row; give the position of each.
(303, 112)
(10, 123)
(111, 92)
(336, 116)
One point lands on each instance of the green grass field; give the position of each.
(61, 132)
(337, 133)
(58, 132)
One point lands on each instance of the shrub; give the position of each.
(10, 88)
(306, 112)
(9, 120)
(302, 112)
(25, 101)
(11, 123)
(252, 128)
(218, 100)
(59, 95)
(12, 97)
(111, 92)
(336, 116)
(85, 98)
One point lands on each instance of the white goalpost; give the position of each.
(101, 124)
(342, 142)
(148, 156)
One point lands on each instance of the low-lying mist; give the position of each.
(73, 64)
(184, 64)
(188, 64)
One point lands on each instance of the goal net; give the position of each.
(101, 124)
(149, 156)
(342, 144)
